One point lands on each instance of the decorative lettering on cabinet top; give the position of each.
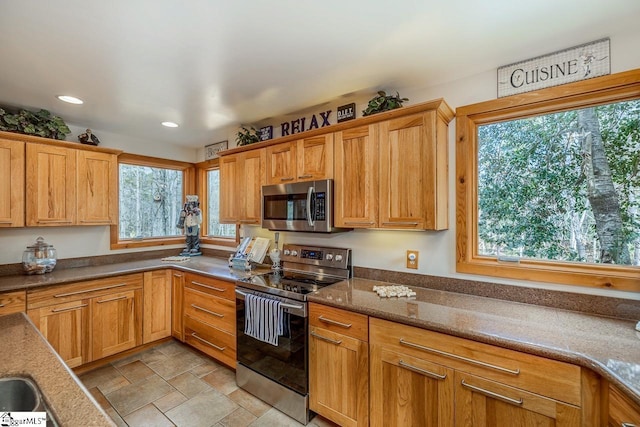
(300, 125)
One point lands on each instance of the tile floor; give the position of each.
(174, 385)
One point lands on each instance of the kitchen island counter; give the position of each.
(27, 354)
(608, 346)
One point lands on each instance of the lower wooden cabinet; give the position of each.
(86, 321)
(13, 302)
(622, 411)
(177, 290)
(157, 305)
(338, 365)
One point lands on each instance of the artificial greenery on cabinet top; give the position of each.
(40, 123)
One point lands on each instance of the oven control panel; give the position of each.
(317, 255)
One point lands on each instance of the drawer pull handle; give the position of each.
(177, 275)
(421, 371)
(53, 221)
(207, 311)
(86, 291)
(213, 288)
(492, 394)
(96, 221)
(401, 223)
(6, 222)
(193, 334)
(455, 356)
(287, 179)
(320, 337)
(628, 425)
(76, 307)
(334, 322)
(359, 222)
(305, 176)
(1, 305)
(111, 299)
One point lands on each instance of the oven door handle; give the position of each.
(282, 304)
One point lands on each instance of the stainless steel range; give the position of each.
(278, 372)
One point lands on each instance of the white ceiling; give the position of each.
(212, 64)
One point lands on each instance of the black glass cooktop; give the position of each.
(290, 284)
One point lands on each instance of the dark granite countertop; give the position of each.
(608, 346)
(208, 266)
(27, 354)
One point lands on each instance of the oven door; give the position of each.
(303, 206)
(286, 363)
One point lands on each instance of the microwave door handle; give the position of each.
(310, 218)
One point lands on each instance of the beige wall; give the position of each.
(371, 248)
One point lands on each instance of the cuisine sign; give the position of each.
(577, 63)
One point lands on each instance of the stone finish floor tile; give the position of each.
(134, 396)
(189, 385)
(172, 384)
(203, 410)
(148, 416)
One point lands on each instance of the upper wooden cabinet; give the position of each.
(241, 180)
(11, 183)
(306, 159)
(97, 186)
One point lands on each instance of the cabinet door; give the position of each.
(13, 302)
(177, 309)
(66, 328)
(412, 174)
(406, 391)
(622, 410)
(229, 190)
(356, 177)
(314, 157)
(11, 183)
(338, 377)
(481, 402)
(97, 181)
(157, 305)
(281, 163)
(51, 185)
(116, 323)
(251, 181)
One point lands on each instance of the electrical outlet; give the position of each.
(412, 259)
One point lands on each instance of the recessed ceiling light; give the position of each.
(170, 124)
(70, 99)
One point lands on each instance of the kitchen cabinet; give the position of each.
(306, 159)
(338, 365)
(241, 180)
(69, 186)
(473, 383)
(413, 172)
(12, 158)
(177, 291)
(86, 321)
(157, 305)
(356, 177)
(210, 317)
(13, 302)
(51, 185)
(622, 412)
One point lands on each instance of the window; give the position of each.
(549, 185)
(213, 231)
(151, 195)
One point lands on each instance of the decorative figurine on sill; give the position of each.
(190, 220)
(88, 138)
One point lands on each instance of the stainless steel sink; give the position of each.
(20, 394)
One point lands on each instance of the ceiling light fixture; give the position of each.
(70, 99)
(170, 124)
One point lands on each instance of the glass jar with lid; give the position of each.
(39, 258)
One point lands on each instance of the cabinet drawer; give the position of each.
(343, 322)
(93, 288)
(206, 308)
(12, 302)
(215, 287)
(216, 343)
(551, 378)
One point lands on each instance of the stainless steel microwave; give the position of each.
(301, 206)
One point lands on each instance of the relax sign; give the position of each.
(578, 63)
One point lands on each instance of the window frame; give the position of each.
(618, 87)
(202, 169)
(188, 187)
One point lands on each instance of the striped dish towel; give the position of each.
(263, 318)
